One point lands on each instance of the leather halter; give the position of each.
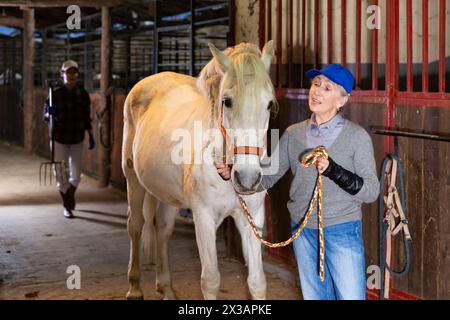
(258, 151)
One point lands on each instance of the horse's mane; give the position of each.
(247, 66)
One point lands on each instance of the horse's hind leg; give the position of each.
(164, 223)
(135, 223)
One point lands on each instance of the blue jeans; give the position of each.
(345, 277)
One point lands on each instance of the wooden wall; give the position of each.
(427, 170)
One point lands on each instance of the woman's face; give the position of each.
(70, 76)
(325, 96)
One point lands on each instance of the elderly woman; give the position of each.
(351, 180)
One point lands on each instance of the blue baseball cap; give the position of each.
(336, 73)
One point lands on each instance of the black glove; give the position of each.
(348, 181)
(91, 141)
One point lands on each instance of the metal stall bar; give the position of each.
(291, 41)
(44, 56)
(392, 10)
(344, 32)
(231, 39)
(155, 37)
(88, 58)
(316, 33)
(192, 41)
(358, 41)
(411, 134)
(375, 51)
(409, 47)
(12, 73)
(262, 23)
(330, 31)
(442, 23)
(425, 45)
(269, 20)
(279, 43)
(303, 57)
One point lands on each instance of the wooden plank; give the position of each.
(401, 118)
(414, 177)
(433, 214)
(444, 207)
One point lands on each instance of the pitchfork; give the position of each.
(47, 168)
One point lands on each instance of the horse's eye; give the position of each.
(270, 105)
(227, 102)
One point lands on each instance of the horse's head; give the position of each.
(246, 99)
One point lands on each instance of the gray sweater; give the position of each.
(352, 149)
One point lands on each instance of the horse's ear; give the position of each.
(224, 61)
(268, 53)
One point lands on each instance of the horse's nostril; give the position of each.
(237, 177)
(258, 181)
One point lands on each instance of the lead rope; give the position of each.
(308, 161)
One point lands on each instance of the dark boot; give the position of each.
(68, 214)
(71, 197)
(65, 198)
(66, 202)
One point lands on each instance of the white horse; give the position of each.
(233, 91)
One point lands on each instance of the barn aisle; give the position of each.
(37, 244)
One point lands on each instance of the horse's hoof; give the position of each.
(134, 295)
(170, 295)
(167, 293)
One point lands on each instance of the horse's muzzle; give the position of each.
(246, 182)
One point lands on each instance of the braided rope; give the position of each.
(308, 161)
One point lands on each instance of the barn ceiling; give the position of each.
(141, 10)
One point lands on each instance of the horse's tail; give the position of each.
(148, 237)
(129, 130)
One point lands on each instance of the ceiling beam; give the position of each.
(59, 3)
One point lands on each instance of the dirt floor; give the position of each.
(37, 244)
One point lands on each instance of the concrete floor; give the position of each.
(37, 244)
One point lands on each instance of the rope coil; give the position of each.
(308, 161)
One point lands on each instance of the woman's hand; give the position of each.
(224, 170)
(322, 165)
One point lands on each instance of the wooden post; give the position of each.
(105, 112)
(28, 77)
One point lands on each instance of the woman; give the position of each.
(351, 180)
(71, 107)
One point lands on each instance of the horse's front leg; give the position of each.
(251, 247)
(205, 233)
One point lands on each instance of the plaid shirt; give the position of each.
(73, 114)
